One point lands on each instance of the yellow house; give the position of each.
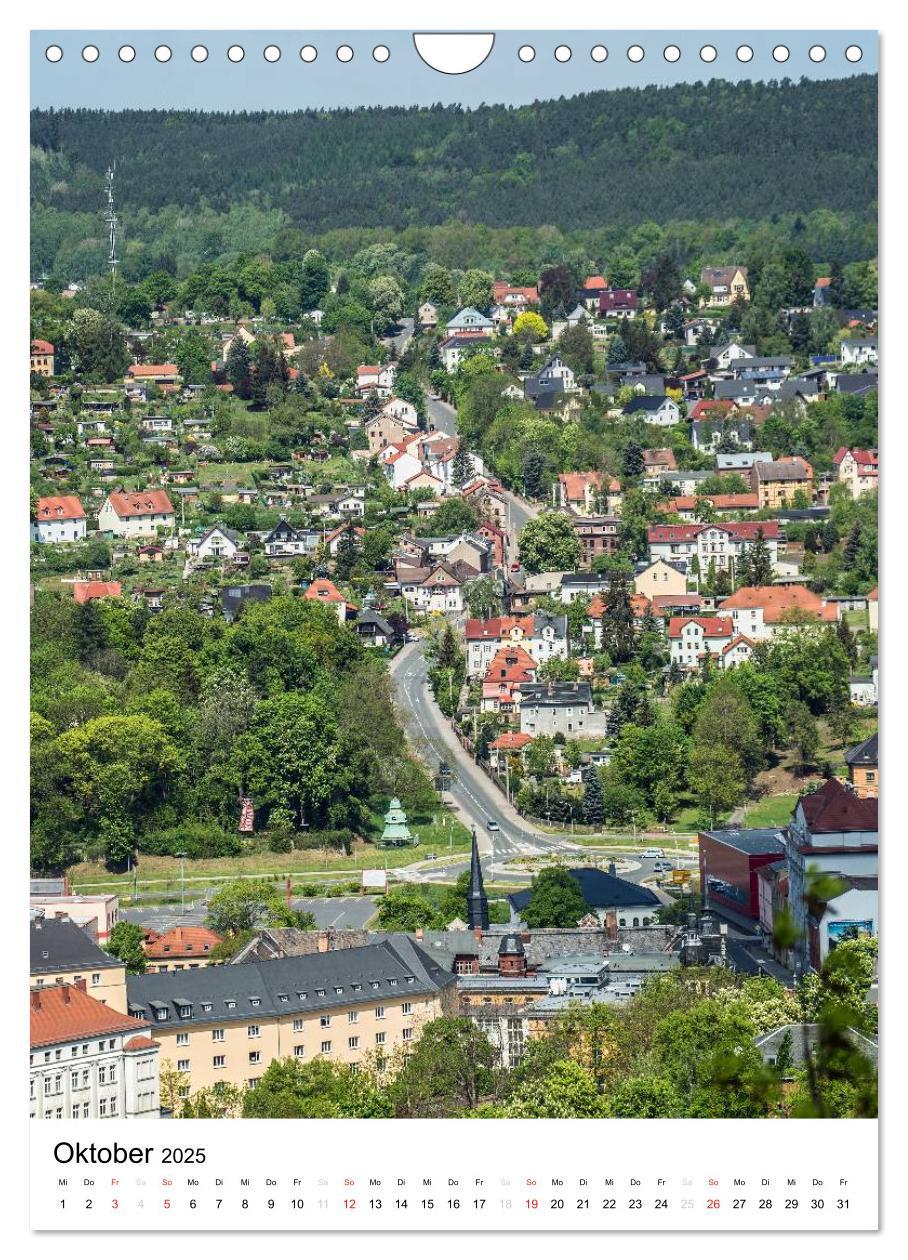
(42, 358)
(725, 285)
(62, 953)
(228, 1023)
(660, 578)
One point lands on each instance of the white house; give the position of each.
(724, 356)
(691, 638)
(375, 378)
(655, 409)
(136, 513)
(58, 518)
(469, 320)
(434, 589)
(88, 1061)
(543, 635)
(217, 543)
(286, 540)
(859, 350)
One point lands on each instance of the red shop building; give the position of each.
(729, 861)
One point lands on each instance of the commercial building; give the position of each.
(729, 862)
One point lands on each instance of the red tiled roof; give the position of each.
(511, 739)
(153, 369)
(712, 627)
(501, 289)
(721, 502)
(660, 455)
(575, 483)
(181, 941)
(42, 347)
(496, 627)
(85, 591)
(834, 808)
(661, 603)
(65, 1012)
(324, 590)
(776, 601)
(738, 639)
(140, 503)
(64, 507)
(595, 282)
(139, 1043)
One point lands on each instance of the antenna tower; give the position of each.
(110, 218)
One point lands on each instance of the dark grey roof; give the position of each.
(600, 890)
(751, 839)
(857, 383)
(555, 695)
(369, 618)
(646, 402)
(777, 470)
(865, 754)
(308, 982)
(58, 945)
(233, 597)
(511, 943)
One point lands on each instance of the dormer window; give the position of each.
(185, 1012)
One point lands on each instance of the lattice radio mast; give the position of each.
(113, 223)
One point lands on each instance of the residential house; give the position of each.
(591, 291)
(61, 952)
(497, 539)
(657, 409)
(722, 543)
(722, 357)
(633, 905)
(873, 610)
(508, 744)
(427, 315)
(164, 374)
(41, 362)
(57, 519)
(598, 536)
(433, 588)
(560, 708)
(833, 831)
(516, 298)
(660, 578)
(858, 469)
(180, 949)
(586, 493)
(454, 349)
(235, 598)
(725, 285)
(741, 461)
(777, 482)
(469, 320)
(95, 913)
(510, 669)
(659, 460)
(286, 540)
(85, 592)
(692, 638)
(542, 635)
(217, 543)
(375, 378)
(334, 537)
(863, 762)
(553, 375)
(759, 612)
(858, 350)
(617, 303)
(688, 506)
(88, 1061)
(323, 591)
(136, 513)
(345, 1005)
(373, 629)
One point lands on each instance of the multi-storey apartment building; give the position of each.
(88, 1061)
(62, 953)
(228, 1023)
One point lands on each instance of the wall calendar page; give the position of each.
(454, 629)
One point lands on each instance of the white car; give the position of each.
(653, 853)
(492, 825)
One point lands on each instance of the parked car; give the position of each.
(492, 825)
(653, 853)
(662, 865)
(515, 567)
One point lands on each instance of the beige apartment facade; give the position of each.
(63, 953)
(348, 1006)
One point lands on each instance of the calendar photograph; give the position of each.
(453, 582)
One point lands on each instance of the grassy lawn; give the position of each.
(162, 874)
(857, 619)
(771, 811)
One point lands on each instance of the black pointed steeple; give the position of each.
(477, 901)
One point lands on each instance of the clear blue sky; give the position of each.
(253, 83)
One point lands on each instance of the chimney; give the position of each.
(418, 934)
(79, 984)
(611, 869)
(525, 936)
(323, 945)
(35, 999)
(477, 933)
(611, 925)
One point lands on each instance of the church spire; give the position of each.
(477, 901)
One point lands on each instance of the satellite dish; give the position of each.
(453, 52)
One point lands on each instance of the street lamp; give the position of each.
(182, 856)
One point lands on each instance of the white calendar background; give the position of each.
(441, 1175)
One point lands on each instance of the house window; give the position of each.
(326, 1047)
(185, 1012)
(182, 1065)
(253, 1031)
(255, 1056)
(379, 1012)
(219, 1061)
(217, 1034)
(380, 1038)
(102, 1107)
(407, 1008)
(96, 977)
(182, 1039)
(353, 1017)
(353, 1043)
(297, 1025)
(325, 1021)
(299, 1051)
(408, 1034)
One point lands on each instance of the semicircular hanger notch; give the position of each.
(453, 52)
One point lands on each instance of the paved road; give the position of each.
(337, 912)
(401, 340)
(443, 416)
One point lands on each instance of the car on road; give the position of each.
(492, 825)
(662, 865)
(653, 853)
(515, 567)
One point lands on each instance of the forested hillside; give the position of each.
(591, 164)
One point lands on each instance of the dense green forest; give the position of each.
(708, 162)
